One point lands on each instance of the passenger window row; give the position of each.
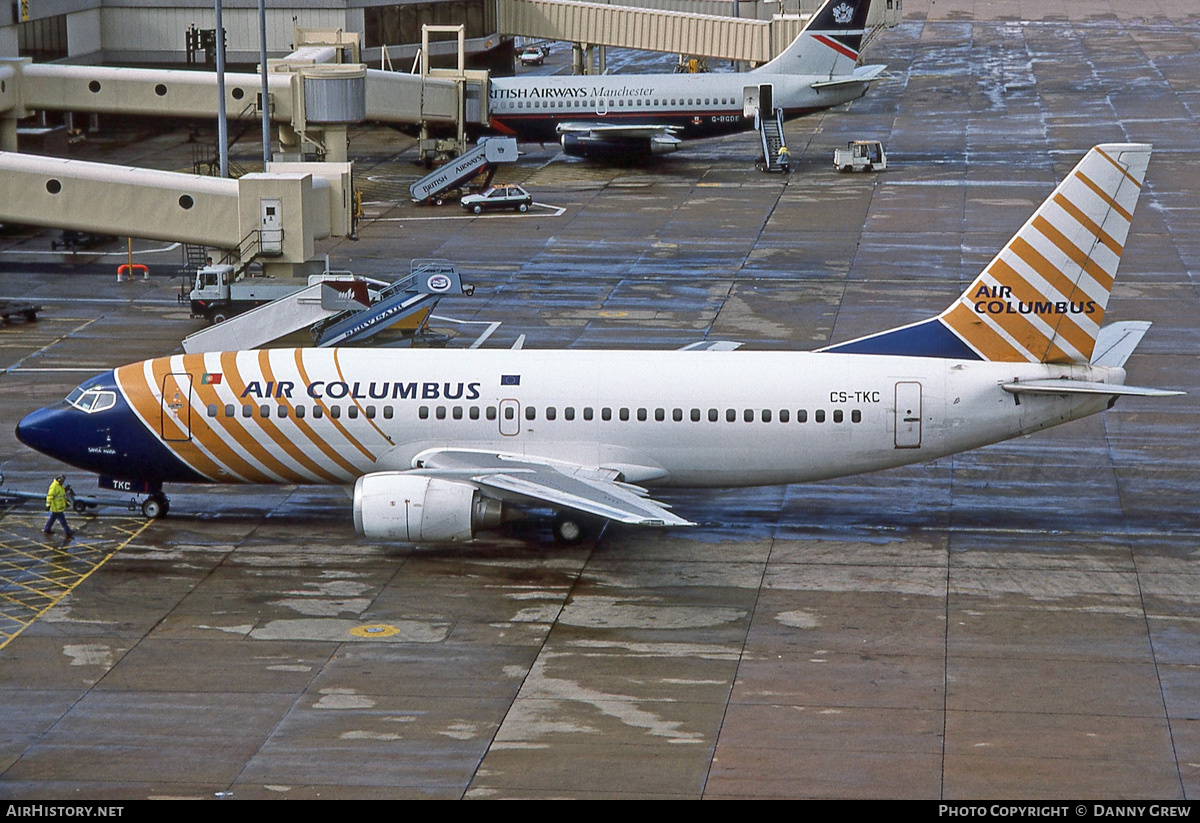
(530, 413)
(610, 102)
(299, 412)
(643, 414)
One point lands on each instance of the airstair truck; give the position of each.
(217, 296)
(482, 160)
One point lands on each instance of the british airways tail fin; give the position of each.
(829, 44)
(1042, 298)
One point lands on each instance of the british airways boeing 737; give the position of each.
(438, 443)
(621, 115)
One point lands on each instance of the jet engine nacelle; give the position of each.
(413, 509)
(582, 145)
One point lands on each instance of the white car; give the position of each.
(499, 197)
(532, 56)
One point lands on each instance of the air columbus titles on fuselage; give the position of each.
(358, 390)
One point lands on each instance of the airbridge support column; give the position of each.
(10, 102)
(8, 133)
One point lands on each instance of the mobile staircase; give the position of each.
(410, 299)
(483, 159)
(327, 294)
(770, 132)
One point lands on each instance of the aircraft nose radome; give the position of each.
(37, 431)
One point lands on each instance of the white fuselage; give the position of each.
(780, 417)
(696, 105)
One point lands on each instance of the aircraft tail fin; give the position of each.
(1042, 298)
(829, 44)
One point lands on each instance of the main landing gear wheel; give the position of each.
(155, 506)
(569, 528)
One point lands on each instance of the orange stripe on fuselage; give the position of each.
(142, 398)
(264, 364)
(209, 435)
(324, 446)
(337, 364)
(237, 426)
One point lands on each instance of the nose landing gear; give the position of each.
(155, 506)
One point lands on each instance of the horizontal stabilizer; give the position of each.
(712, 345)
(1065, 386)
(865, 74)
(1117, 341)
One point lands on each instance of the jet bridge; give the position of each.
(298, 95)
(275, 217)
(680, 30)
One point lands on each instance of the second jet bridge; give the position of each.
(482, 159)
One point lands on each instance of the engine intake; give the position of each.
(411, 509)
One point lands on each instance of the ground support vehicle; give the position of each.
(860, 155)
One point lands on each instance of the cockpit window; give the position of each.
(91, 401)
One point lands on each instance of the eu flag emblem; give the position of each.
(510, 380)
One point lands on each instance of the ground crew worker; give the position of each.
(785, 158)
(56, 502)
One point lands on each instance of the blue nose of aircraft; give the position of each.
(43, 431)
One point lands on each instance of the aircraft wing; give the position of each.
(617, 131)
(589, 490)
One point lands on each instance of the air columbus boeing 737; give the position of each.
(438, 444)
